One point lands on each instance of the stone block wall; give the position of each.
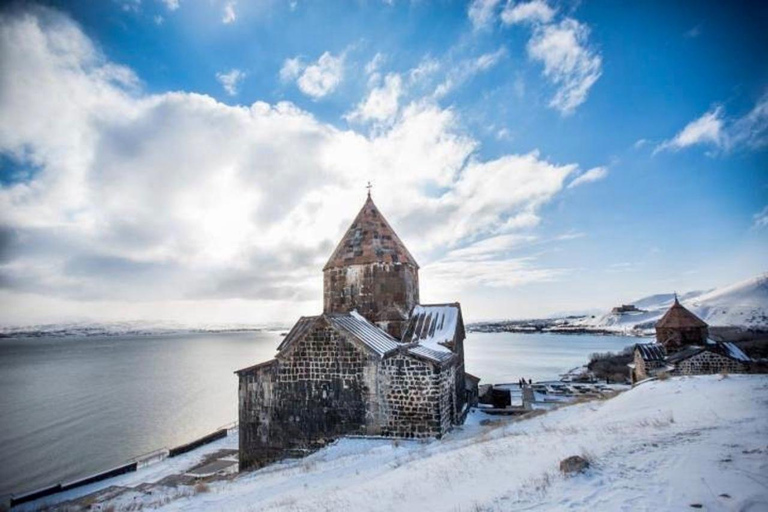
(674, 338)
(644, 368)
(384, 293)
(255, 394)
(707, 363)
(417, 397)
(317, 390)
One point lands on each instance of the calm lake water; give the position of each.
(73, 406)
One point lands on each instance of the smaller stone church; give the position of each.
(376, 362)
(683, 347)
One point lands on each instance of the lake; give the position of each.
(72, 406)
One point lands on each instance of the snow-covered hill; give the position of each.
(743, 305)
(665, 445)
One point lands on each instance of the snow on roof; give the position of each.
(650, 351)
(733, 351)
(439, 356)
(726, 349)
(434, 326)
(685, 353)
(370, 335)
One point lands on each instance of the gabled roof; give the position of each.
(352, 324)
(689, 351)
(733, 351)
(725, 349)
(302, 327)
(370, 239)
(434, 325)
(677, 317)
(437, 356)
(370, 335)
(651, 351)
(255, 367)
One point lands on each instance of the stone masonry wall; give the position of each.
(255, 393)
(709, 362)
(317, 390)
(674, 338)
(384, 293)
(417, 397)
(643, 367)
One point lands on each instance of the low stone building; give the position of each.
(648, 359)
(625, 308)
(684, 348)
(375, 362)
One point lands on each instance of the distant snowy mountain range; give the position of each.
(128, 328)
(743, 305)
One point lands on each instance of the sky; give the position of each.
(196, 161)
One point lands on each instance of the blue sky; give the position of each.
(201, 158)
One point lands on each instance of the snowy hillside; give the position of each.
(744, 304)
(664, 445)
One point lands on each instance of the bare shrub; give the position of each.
(201, 487)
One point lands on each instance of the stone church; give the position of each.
(683, 347)
(374, 363)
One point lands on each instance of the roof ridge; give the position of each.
(369, 239)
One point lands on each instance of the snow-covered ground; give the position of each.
(664, 445)
(744, 304)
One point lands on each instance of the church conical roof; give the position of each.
(679, 317)
(370, 239)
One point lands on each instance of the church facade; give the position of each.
(374, 363)
(683, 347)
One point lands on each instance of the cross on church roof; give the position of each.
(369, 187)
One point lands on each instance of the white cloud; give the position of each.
(316, 80)
(760, 219)
(751, 130)
(466, 69)
(291, 69)
(694, 32)
(171, 5)
(426, 69)
(229, 15)
(706, 129)
(481, 12)
(716, 130)
(130, 5)
(536, 11)
(231, 80)
(179, 199)
(374, 64)
(568, 61)
(594, 174)
(158, 19)
(382, 102)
